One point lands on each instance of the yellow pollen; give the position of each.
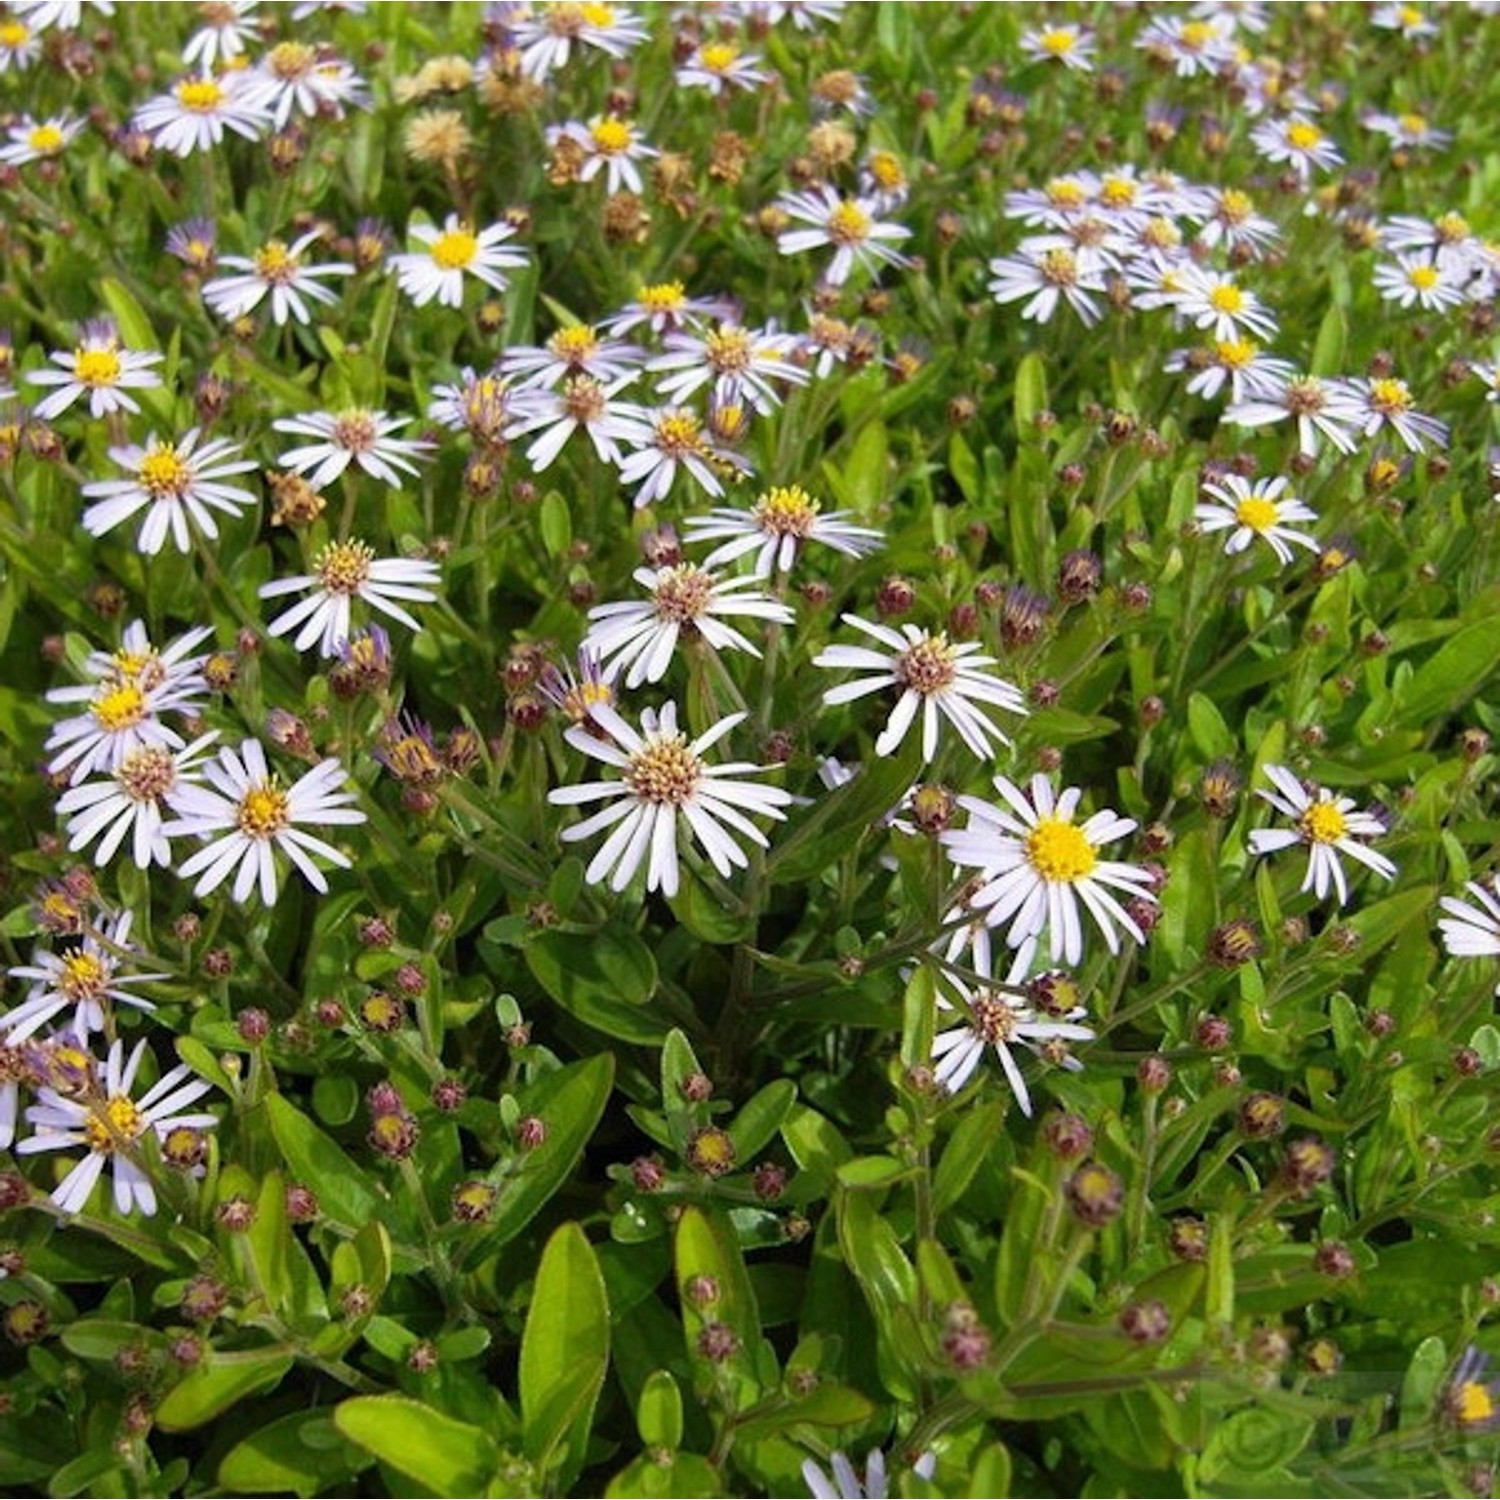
(578, 700)
(274, 262)
(60, 908)
(887, 170)
(142, 667)
(1059, 851)
(83, 976)
(344, 567)
(1227, 299)
(679, 433)
(1390, 395)
(1452, 228)
(118, 708)
(664, 296)
(1234, 206)
(849, 224)
(291, 60)
(1058, 42)
(1302, 135)
(199, 95)
(1235, 354)
(683, 593)
(96, 367)
(13, 34)
(1065, 192)
(729, 350)
(664, 770)
(574, 344)
(929, 666)
(163, 474)
(113, 1124)
(1424, 278)
(1196, 35)
(611, 137)
(1474, 1404)
(1118, 192)
(786, 511)
(598, 15)
(994, 1020)
(1258, 514)
(1413, 124)
(454, 249)
(46, 139)
(584, 398)
(1409, 16)
(1322, 823)
(717, 57)
(1059, 267)
(263, 811)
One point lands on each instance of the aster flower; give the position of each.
(1229, 219)
(608, 144)
(227, 25)
(582, 404)
(112, 1125)
(851, 226)
(1297, 141)
(311, 81)
(195, 243)
(740, 366)
(178, 484)
(19, 45)
(1408, 131)
(572, 351)
(673, 439)
(196, 112)
(1198, 45)
(940, 679)
(1381, 402)
(1047, 277)
(1321, 409)
(720, 67)
(1328, 825)
(276, 268)
(1238, 363)
(576, 693)
(665, 305)
(1215, 301)
(843, 1482)
(1410, 20)
(39, 140)
(477, 404)
(86, 977)
(641, 635)
(99, 369)
(59, 15)
(343, 572)
(448, 255)
(776, 528)
(1038, 865)
(664, 782)
(1472, 929)
(1248, 512)
(1070, 45)
(248, 815)
(1425, 279)
(548, 33)
(131, 802)
(356, 436)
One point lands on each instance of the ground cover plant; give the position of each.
(747, 748)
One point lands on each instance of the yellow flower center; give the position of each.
(1303, 135)
(1059, 851)
(584, 398)
(147, 774)
(46, 139)
(274, 262)
(1227, 298)
(59, 910)
(717, 57)
(96, 367)
(1059, 267)
(1066, 192)
(887, 170)
(729, 350)
(199, 95)
(114, 1124)
(1256, 513)
(1236, 354)
(1058, 42)
(117, 708)
(1451, 228)
(1118, 192)
(291, 60)
(786, 511)
(1322, 823)
(163, 474)
(454, 249)
(583, 696)
(1390, 396)
(994, 1021)
(849, 224)
(678, 434)
(83, 976)
(663, 297)
(1305, 396)
(344, 567)
(598, 15)
(13, 34)
(574, 344)
(1424, 278)
(1413, 124)
(683, 593)
(929, 666)
(611, 137)
(664, 770)
(143, 668)
(263, 811)
(1234, 206)
(1474, 1404)
(1409, 16)
(1196, 35)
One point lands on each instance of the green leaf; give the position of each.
(564, 1355)
(604, 978)
(442, 1455)
(1030, 393)
(1458, 670)
(555, 523)
(1253, 1442)
(658, 1413)
(967, 1150)
(347, 1196)
(1423, 1381)
(706, 1246)
(302, 1453)
(1211, 735)
(214, 1386)
(761, 1118)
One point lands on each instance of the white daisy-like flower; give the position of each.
(642, 634)
(934, 676)
(1328, 825)
(356, 436)
(121, 719)
(15, 1070)
(1408, 130)
(172, 676)
(311, 81)
(776, 528)
(1240, 364)
(1385, 401)
(249, 815)
(1047, 277)
(1216, 301)
(1065, 43)
(844, 1482)
(1298, 141)
(720, 67)
(112, 1126)
(196, 112)
(227, 26)
(1250, 511)
(673, 439)
(569, 352)
(86, 977)
(1229, 219)
(343, 572)
(1424, 278)
(664, 782)
(99, 369)
(1038, 865)
(39, 140)
(131, 802)
(1320, 408)
(972, 1018)
(547, 34)
(61, 15)
(1472, 929)
(583, 404)
(740, 366)
(1410, 20)
(664, 305)
(476, 404)
(611, 145)
(179, 485)
(19, 45)
(436, 272)
(1198, 45)
(851, 226)
(275, 269)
